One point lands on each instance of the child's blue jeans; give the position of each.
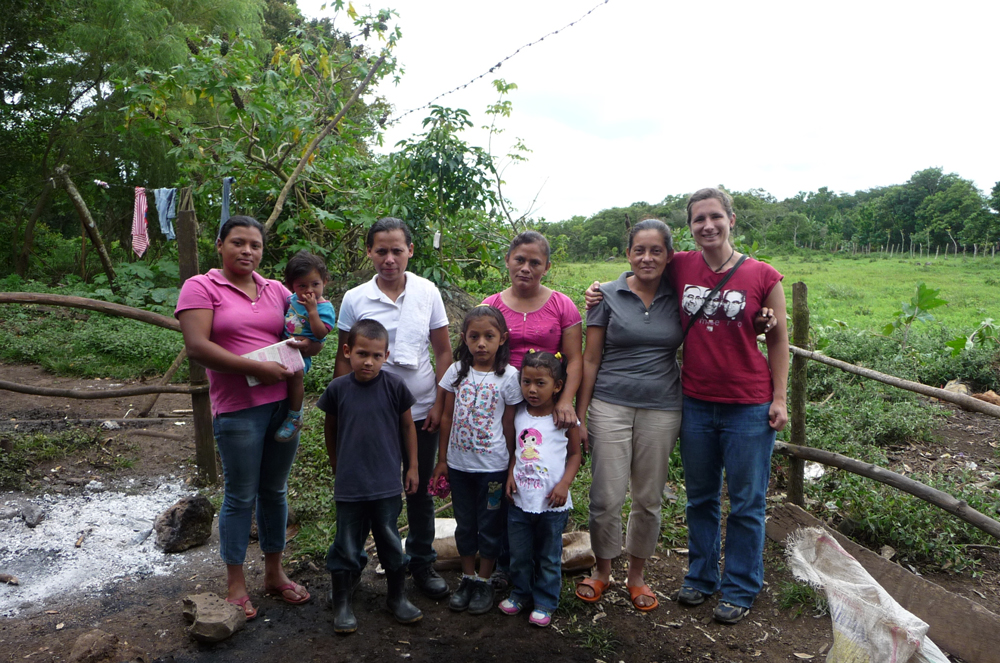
(536, 556)
(354, 521)
(480, 510)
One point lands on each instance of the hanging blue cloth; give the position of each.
(226, 184)
(166, 207)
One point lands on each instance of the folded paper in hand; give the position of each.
(280, 352)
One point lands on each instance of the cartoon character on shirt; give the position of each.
(528, 474)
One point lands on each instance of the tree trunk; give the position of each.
(29, 230)
(62, 172)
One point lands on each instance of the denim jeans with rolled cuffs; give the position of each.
(255, 469)
(480, 508)
(536, 556)
(354, 521)
(739, 439)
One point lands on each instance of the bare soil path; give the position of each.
(145, 613)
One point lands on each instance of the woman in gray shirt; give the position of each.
(630, 401)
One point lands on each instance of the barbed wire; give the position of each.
(498, 64)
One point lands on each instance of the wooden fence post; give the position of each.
(187, 255)
(797, 411)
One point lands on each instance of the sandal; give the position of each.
(242, 605)
(596, 585)
(636, 592)
(279, 592)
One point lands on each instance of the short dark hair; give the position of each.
(385, 225)
(240, 221)
(370, 329)
(302, 264)
(652, 224)
(530, 237)
(554, 365)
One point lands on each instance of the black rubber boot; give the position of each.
(344, 620)
(400, 606)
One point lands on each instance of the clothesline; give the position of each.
(166, 207)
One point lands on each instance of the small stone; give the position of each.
(186, 524)
(212, 618)
(32, 515)
(94, 647)
(9, 513)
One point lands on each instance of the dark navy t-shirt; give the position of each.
(369, 445)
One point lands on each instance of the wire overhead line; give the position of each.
(498, 64)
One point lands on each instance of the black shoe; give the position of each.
(461, 597)
(400, 606)
(429, 582)
(341, 596)
(727, 613)
(482, 598)
(690, 596)
(500, 580)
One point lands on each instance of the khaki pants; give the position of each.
(628, 445)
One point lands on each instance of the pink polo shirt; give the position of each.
(239, 325)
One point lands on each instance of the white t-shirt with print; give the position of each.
(477, 443)
(540, 451)
(367, 302)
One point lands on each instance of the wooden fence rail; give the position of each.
(97, 394)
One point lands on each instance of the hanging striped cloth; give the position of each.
(140, 240)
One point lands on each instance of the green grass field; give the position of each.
(864, 293)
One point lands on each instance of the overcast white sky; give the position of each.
(645, 98)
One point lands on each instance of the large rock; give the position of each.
(32, 515)
(93, 647)
(212, 619)
(577, 554)
(186, 524)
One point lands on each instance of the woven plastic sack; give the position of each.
(869, 626)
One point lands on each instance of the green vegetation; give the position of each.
(800, 598)
(932, 213)
(26, 450)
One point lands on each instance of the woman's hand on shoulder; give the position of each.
(765, 321)
(592, 297)
(564, 416)
(271, 372)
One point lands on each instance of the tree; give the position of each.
(597, 245)
(957, 212)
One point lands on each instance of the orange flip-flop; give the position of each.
(636, 592)
(596, 585)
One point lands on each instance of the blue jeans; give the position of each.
(420, 505)
(256, 469)
(536, 556)
(737, 439)
(354, 521)
(480, 510)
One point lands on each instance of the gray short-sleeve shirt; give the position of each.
(639, 367)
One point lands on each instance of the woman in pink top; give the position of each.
(540, 318)
(226, 313)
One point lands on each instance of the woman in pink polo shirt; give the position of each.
(542, 319)
(223, 314)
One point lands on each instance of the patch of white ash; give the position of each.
(113, 528)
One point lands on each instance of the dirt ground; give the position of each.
(145, 615)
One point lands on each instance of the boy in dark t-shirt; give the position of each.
(368, 425)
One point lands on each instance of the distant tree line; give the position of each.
(933, 212)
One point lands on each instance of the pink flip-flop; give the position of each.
(242, 604)
(279, 592)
